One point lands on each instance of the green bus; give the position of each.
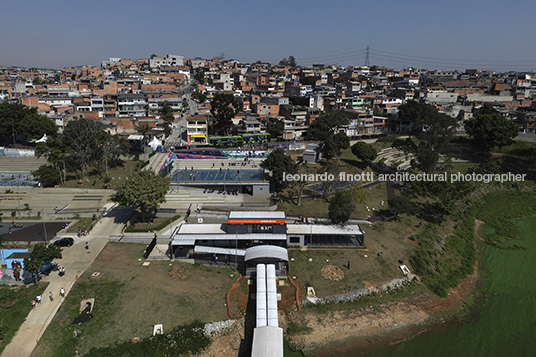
(225, 141)
(258, 138)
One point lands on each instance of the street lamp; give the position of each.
(44, 225)
(18, 196)
(236, 250)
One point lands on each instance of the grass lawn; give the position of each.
(83, 224)
(319, 207)
(461, 166)
(15, 304)
(156, 224)
(117, 175)
(517, 148)
(130, 299)
(391, 238)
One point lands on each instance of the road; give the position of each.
(178, 136)
(76, 260)
(32, 231)
(526, 137)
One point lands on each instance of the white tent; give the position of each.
(155, 143)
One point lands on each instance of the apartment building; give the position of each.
(197, 130)
(135, 105)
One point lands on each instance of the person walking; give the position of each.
(51, 297)
(38, 299)
(62, 292)
(33, 304)
(348, 265)
(87, 245)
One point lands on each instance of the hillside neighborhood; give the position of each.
(188, 206)
(124, 93)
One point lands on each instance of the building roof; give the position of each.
(266, 251)
(135, 137)
(267, 342)
(191, 239)
(257, 215)
(210, 228)
(217, 250)
(322, 229)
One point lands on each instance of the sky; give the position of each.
(486, 34)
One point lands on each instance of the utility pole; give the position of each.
(18, 196)
(44, 225)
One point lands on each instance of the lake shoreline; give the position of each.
(430, 312)
(405, 319)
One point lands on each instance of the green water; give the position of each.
(506, 325)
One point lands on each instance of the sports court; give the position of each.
(216, 175)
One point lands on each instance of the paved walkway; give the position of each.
(76, 260)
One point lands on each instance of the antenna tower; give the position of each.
(367, 59)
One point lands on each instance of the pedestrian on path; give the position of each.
(348, 265)
(62, 292)
(51, 297)
(33, 304)
(38, 298)
(87, 245)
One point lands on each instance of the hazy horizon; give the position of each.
(454, 35)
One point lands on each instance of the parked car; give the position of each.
(64, 242)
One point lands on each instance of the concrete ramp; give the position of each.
(267, 336)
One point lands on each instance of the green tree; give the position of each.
(298, 186)
(358, 193)
(224, 107)
(402, 204)
(326, 129)
(166, 109)
(279, 164)
(55, 151)
(18, 119)
(199, 96)
(444, 193)
(431, 135)
(331, 167)
(341, 206)
(47, 175)
(167, 129)
(292, 61)
(328, 124)
(274, 127)
(144, 129)
(144, 192)
(334, 144)
(111, 148)
(364, 152)
(167, 113)
(489, 129)
(200, 76)
(42, 254)
(83, 137)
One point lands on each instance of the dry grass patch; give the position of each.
(131, 298)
